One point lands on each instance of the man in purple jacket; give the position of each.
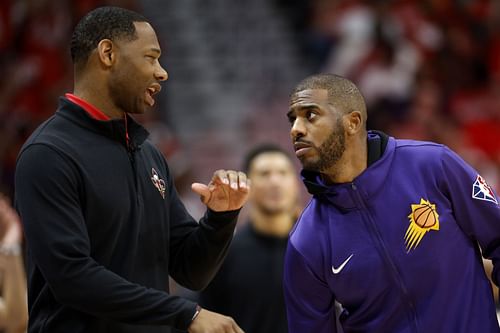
(395, 228)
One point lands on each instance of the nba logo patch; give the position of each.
(482, 191)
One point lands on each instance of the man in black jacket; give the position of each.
(249, 286)
(103, 221)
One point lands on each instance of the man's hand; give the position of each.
(10, 225)
(228, 190)
(211, 322)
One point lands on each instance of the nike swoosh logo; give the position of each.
(338, 269)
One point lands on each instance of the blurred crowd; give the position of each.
(429, 69)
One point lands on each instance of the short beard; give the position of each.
(330, 151)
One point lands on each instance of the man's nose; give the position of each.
(275, 179)
(161, 74)
(298, 129)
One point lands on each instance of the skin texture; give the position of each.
(274, 196)
(121, 77)
(327, 139)
(13, 300)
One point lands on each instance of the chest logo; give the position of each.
(341, 267)
(158, 182)
(482, 191)
(423, 218)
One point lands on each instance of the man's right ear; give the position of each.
(106, 52)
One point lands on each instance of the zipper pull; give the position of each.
(127, 138)
(354, 187)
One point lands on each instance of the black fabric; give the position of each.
(249, 285)
(377, 142)
(102, 240)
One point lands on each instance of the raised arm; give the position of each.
(13, 300)
(198, 250)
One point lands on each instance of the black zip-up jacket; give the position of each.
(102, 237)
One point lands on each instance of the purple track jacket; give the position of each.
(399, 247)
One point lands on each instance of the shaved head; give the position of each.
(342, 93)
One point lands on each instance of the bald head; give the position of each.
(342, 93)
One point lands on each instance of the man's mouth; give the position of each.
(301, 148)
(150, 92)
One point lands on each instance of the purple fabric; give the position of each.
(360, 230)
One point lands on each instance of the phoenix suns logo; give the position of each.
(158, 182)
(423, 218)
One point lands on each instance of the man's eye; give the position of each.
(310, 115)
(291, 120)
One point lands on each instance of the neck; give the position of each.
(278, 224)
(352, 164)
(98, 96)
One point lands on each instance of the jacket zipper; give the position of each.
(131, 157)
(387, 258)
(130, 151)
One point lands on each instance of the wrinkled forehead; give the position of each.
(309, 96)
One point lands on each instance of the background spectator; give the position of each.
(248, 286)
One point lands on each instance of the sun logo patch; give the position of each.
(158, 182)
(482, 191)
(423, 218)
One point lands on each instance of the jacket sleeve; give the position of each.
(48, 200)
(217, 296)
(309, 301)
(197, 250)
(475, 206)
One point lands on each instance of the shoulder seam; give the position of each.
(308, 264)
(51, 147)
(43, 127)
(300, 217)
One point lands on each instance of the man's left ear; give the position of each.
(353, 122)
(106, 52)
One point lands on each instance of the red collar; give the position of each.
(89, 108)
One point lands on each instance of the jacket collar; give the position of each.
(380, 154)
(91, 110)
(113, 129)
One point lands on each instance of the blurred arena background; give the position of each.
(429, 70)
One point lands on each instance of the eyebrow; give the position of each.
(156, 50)
(301, 107)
